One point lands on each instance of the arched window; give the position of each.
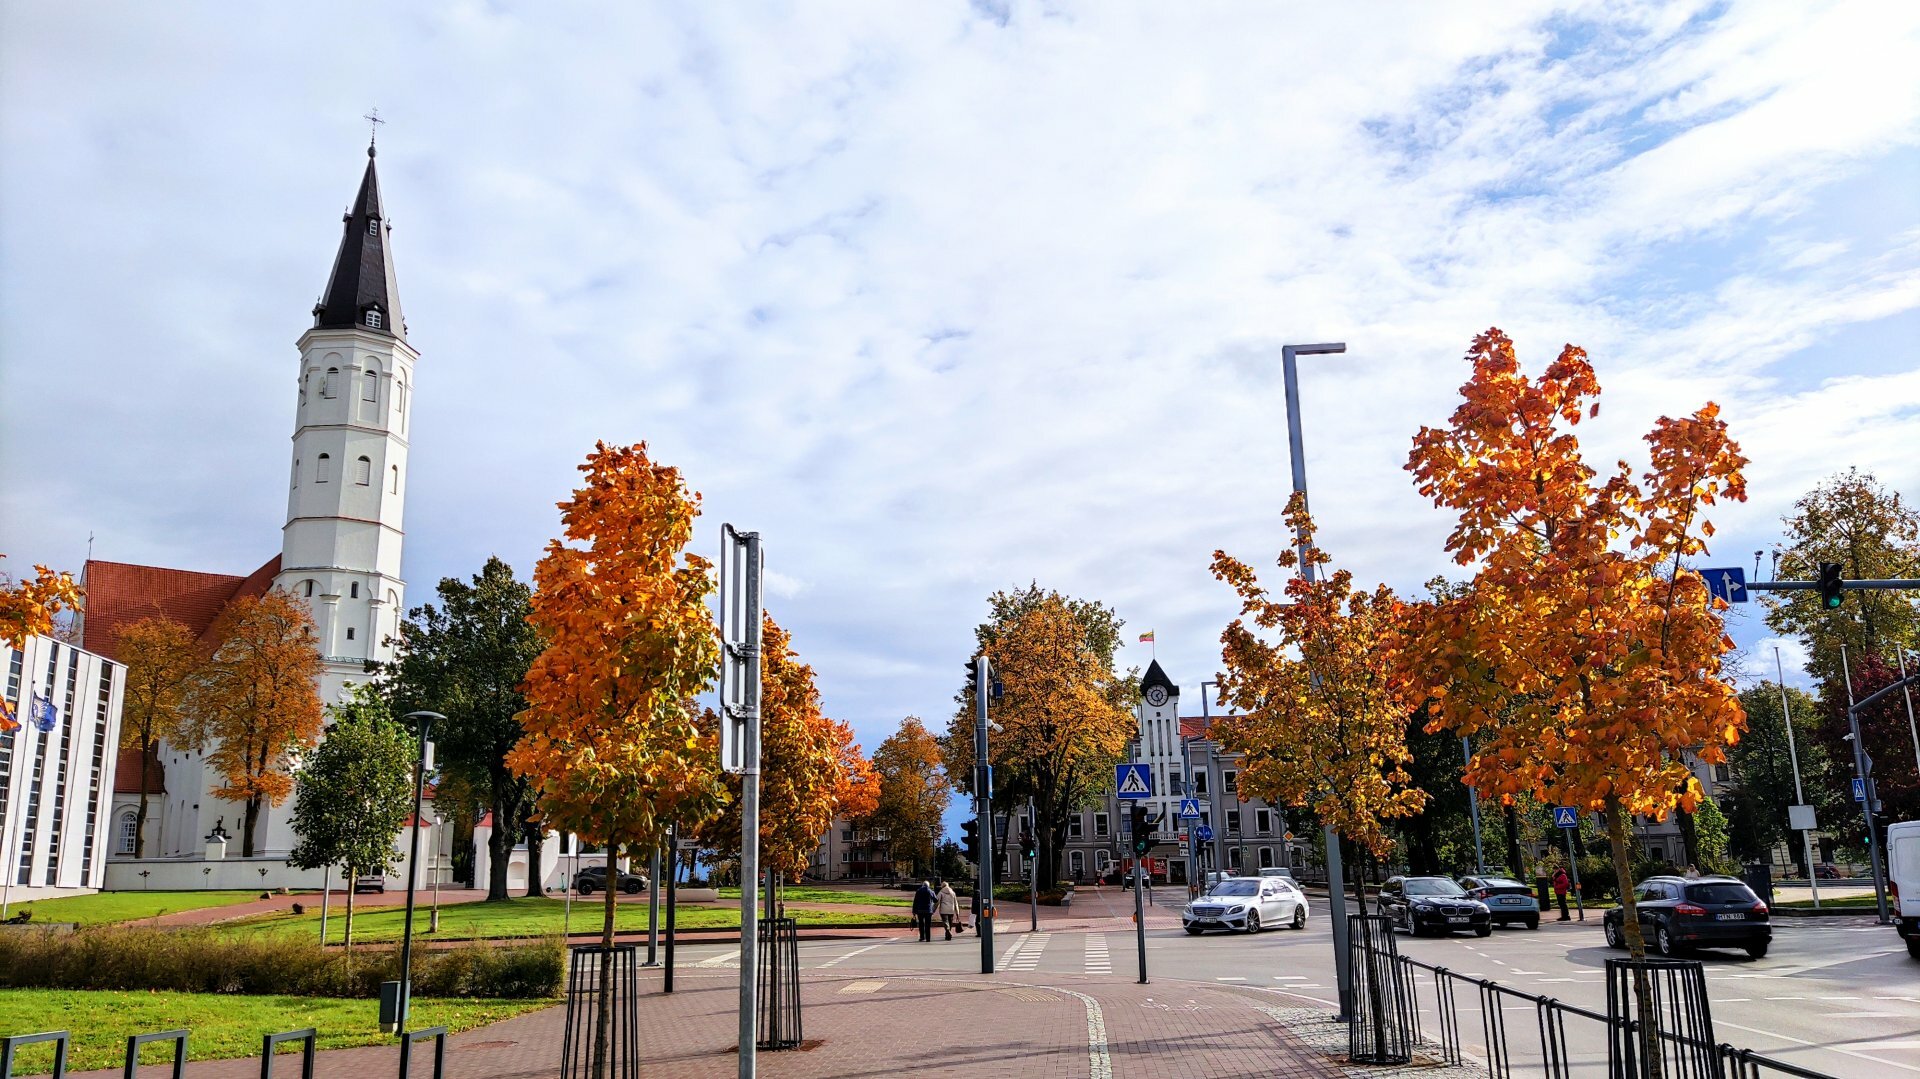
(396, 479)
(363, 471)
(373, 318)
(1076, 865)
(370, 387)
(1266, 857)
(129, 828)
(320, 468)
(349, 633)
(353, 592)
(327, 382)
(307, 587)
(373, 226)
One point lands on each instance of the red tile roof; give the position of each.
(126, 774)
(119, 594)
(1194, 726)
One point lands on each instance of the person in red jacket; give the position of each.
(1560, 885)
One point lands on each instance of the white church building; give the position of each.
(340, 553)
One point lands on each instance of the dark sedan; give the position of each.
(1678, 914)
(1422, 905)
(593, 879)
(1507, 900)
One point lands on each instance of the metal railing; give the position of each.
(1564, 1039)
(269, 1046)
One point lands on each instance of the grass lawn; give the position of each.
(519, 917)
(1850, 902)
(101, 908)
(797, 894)
(223, 1026)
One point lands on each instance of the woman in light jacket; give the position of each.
(947, 905)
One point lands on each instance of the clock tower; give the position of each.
(1160, 744)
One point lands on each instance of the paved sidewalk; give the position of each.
(883, 1024)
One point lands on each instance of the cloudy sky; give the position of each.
(945, 297)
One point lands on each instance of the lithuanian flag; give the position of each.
(1147, 637)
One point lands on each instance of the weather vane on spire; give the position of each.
(373, 135)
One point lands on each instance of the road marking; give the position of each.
(1289, 977)
(1861, 1015)
(1835, 1048)
(1836, 998)
(1517, 970)
(1230, 979)
(1026, 954)
(1099, 960)
(839, 959)
(1786, 998)
(721, 960)
(1734, 1000)
(866, 986)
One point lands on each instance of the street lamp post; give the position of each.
(1213, 799)
(1336, 887)
(425, 721)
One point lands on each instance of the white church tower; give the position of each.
(340, 550)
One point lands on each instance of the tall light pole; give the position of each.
(1213, 799)
(1336, 886)
(1473, 804)
(424, 720)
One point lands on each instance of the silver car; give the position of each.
(1247, 904)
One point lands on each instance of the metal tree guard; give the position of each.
(579, 1045)
(1680, 1044)
(1380, 1023)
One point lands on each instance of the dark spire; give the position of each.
(1157, 677)
(362, 281)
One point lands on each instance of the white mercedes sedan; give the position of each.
(1249, 904)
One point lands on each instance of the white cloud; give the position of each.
(941, 305)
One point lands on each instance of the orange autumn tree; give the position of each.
(1583, 657)
(255, 706)
(26, 610)
(163, 660)
(611, 741)
(810, 768)
(1320, 707)
(913, 794)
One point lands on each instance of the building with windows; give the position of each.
(848, 852)
(57, 766)
(340, 546)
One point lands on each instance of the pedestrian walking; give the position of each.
(947, 905)
(1561, 882)
(923, 911)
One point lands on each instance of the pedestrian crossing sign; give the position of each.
(1189, 809)
(1566, 817)
(1132, 781)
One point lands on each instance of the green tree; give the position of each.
(1872, 533)
(1710, 827)
(355, 792)
(1762, 770)
(466, 659)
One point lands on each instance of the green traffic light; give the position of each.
(1833, 602)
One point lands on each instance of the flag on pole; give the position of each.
(43, 714)
(1147, 637)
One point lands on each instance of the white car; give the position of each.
(1248, 904)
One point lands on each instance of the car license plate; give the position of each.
(1457, 920)
(1731, 917)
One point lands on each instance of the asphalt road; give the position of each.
(1839, 996)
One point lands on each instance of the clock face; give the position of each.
(1157, 696)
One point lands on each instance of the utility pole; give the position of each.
(1793, 755)
(1336, 873)
(1863, 770)
(983, 807)
(1473, 804)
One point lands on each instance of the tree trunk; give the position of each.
(1689, 836)
(140, 819)
(603, 1022)
(246, 827)
(536, 882)
(1515, 864)
(1643, 1004)
(347, 936)
(499, 853)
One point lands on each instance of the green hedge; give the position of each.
(204, 961)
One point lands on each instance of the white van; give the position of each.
(1903, 871)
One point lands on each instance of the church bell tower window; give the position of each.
(373, 318)
(320, 469)
(373, 226)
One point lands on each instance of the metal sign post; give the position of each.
(1567, 819)
(983, 810)
(740, 570)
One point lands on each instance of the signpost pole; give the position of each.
(1140, 915)
(1793, 755)
(1574, 867)
(1473, 805)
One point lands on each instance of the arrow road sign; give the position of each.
(1728, 583)
(1203, 833)
(1189, 809)
(1132, 781)
(1566, 817)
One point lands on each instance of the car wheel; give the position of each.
(1663, 941)
(1757, 950)
(1615, 938)
(631, 887)
(1300, 917)
(1533, 921)
(1913, 946)
(1193, 930)
(585, 889)
(1483, 931)
(1253, 922)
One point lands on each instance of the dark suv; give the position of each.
(1678, 914)
(594, 879)
(1432, 904)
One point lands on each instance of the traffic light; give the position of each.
(1830, 586)
(973, 677)
(970, 840)
(1141, 839)
(1027, 847)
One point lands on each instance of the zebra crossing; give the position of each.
(1099, 961)
(1026, 954)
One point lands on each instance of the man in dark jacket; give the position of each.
(923, 910)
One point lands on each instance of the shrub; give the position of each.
(205, 961)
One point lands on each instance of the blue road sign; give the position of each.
(1189, 809)
(1566, 817)
(1132, 781)
(1728, 583)
(1204, 834)
(1859, 789)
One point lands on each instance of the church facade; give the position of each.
(340, 554)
